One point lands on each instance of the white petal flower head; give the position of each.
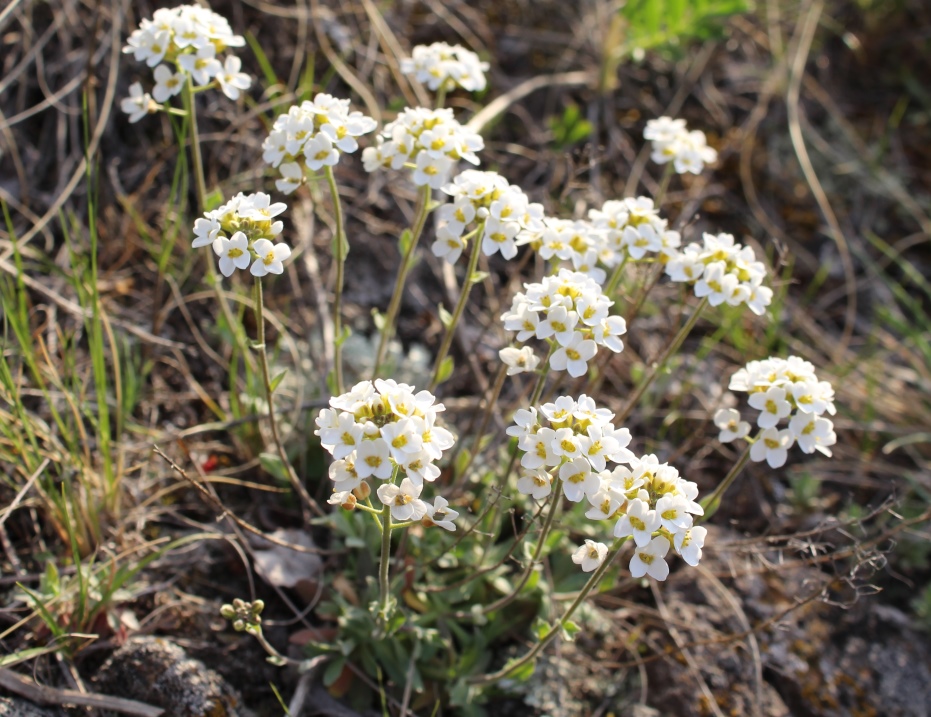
(233, 253)
(639, 521)
(672, 511)
(202, 66)
(536, 483)
(689, 544)
(231, 80)
(292, 176)
(372, 459)
(574, 356)
(772, 405)
(732, 428)
(206, 230)
(319, 152)
(519, 360)
(167, 83)
(138, 104)
(590, 555)
(403, 500)
(813, 433)
(270, 257)
(578, 479)
(772, 446)
(650, 559)
(440, 514)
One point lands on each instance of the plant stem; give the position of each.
(307, 503)
(616, 277)
(467, 283)
(383, 582)
(713, 501)
(559, 626)
(340, 249)
(663, 185)
(423, 209)
(197, 159)
(490, 402)
(658, 365)
(555, 503)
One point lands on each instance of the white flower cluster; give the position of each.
(724, 271)
(447, 66)
(575, 440)
(379, 430)
(192, 38)
(632, 227)
(485, 197)
(312, 133)
(241, 232)
(428, 141)
(570, 309)
(575, 241)
(672, 142)
(781, 389)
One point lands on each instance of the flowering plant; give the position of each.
(443, 66)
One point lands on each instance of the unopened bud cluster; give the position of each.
(245, 616)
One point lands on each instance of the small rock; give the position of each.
(159, 672)
(16, 707)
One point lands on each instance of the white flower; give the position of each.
(206, 230)
(536, 483)
(431, 171)
(291, 177)
(440, 514)
(319, 152)
(167, 83)
(813, 433)
(372, 459)
(233, 253)
(231, 80)
(270, 257)
(772, 406)
(138, 104)
(578, 479)
(772, 445)
(672, 512)
(402, 438)
(202, 66)
(574, 356)
(639, 521)
(649, 559)
(732, 428)
(689, 544)
(404, 500)
(441, 65)
(590, 555)
(518, 360)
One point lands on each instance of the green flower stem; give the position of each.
(308, 504)
(555, 630)
(467, 283)
(555, 503)
(713, 501)
(423, 209)
(340, 249)
(213, 277)
(668, 171)
(616, 277)
(383, 581)
(658, 365)
(441, 96)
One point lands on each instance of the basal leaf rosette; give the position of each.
(387, 432)
(242, 232)
(311, 136)
(782, 391)
(190, 40)
(446, 67)
(430, 142)
(571, 443)
(484, 203)
(570, 312)
(723, 271)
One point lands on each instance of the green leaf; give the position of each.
(344, 334)
(524, 672)
(277, 380)
(461, 461)
(446, 318)
(479, 276)
(213, 200)
(570, 630)
(540, 628)
(333, 671)
(335, 248)
(379, 319)
(404, 242)
(446, 369)
(272, 464)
